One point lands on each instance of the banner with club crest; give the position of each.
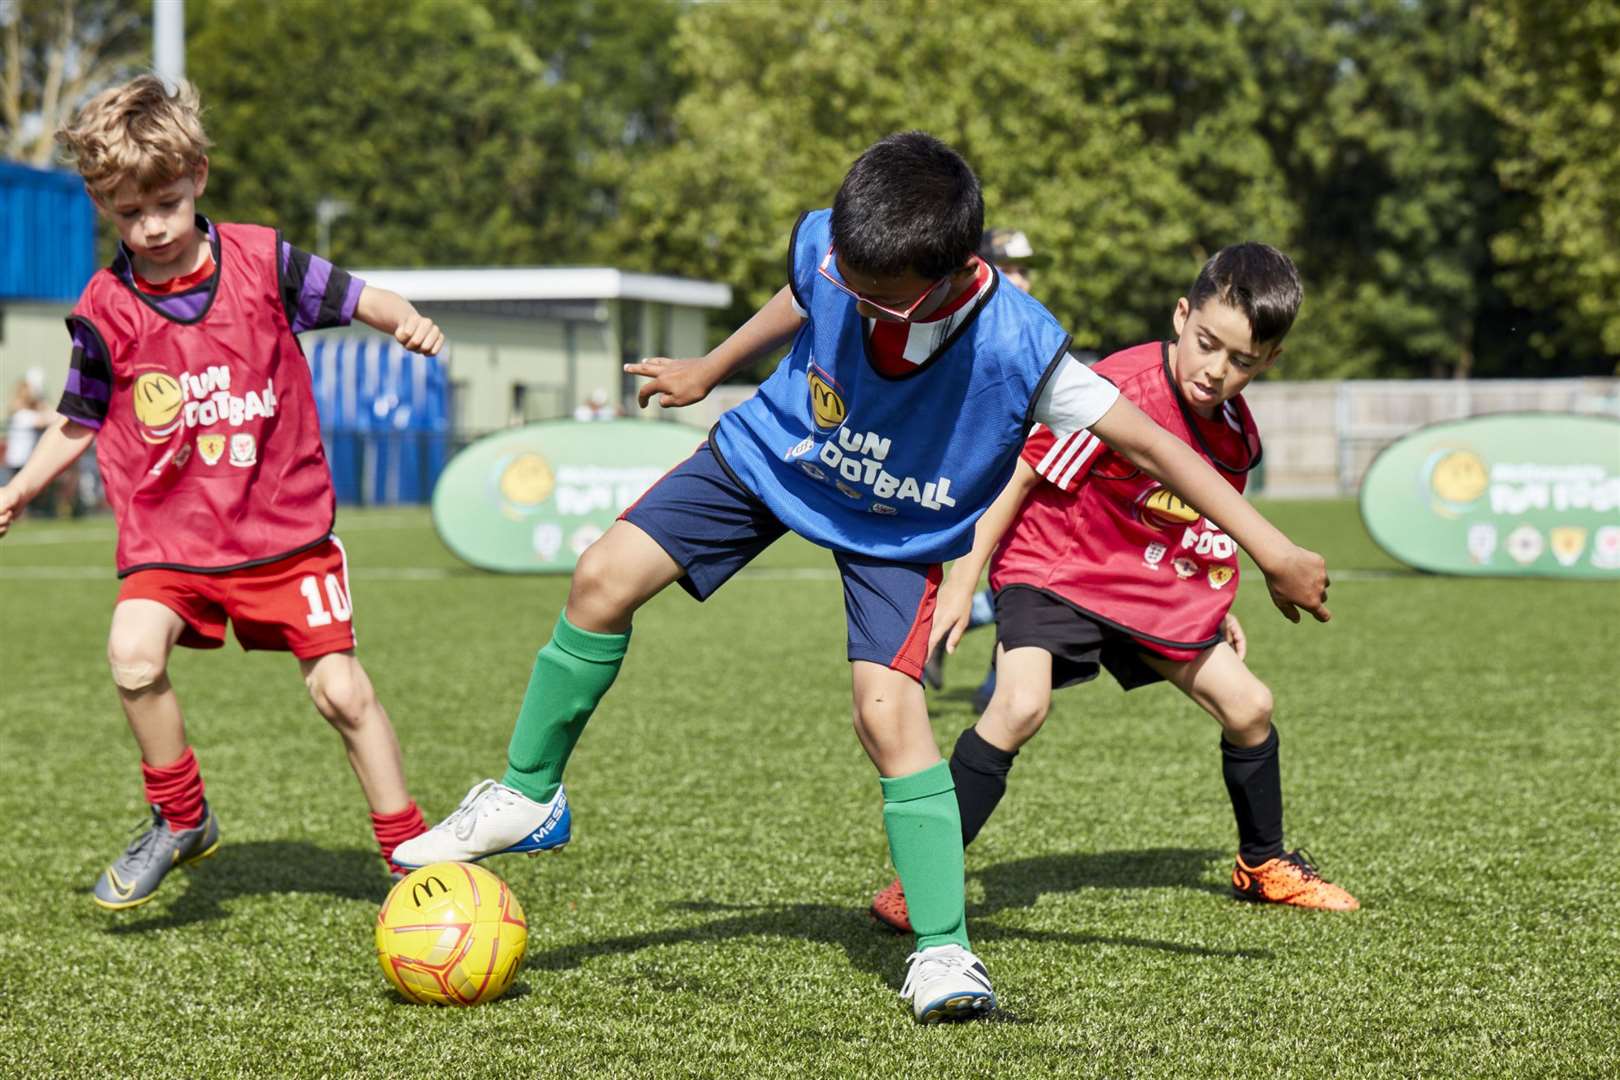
(531, 499)
(1521, 494)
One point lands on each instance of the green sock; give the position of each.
(925, 842)
(570, 676)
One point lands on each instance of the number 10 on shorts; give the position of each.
(336, 599)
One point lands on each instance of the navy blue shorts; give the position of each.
(713, 527)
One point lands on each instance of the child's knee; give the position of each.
(137, 664)
(1021, 711)
(341, 693)
(598, 586)
(1248, 714)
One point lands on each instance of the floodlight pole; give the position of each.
(169, 40)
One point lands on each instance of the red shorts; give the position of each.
(299, 604)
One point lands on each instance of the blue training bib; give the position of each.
(890, 467)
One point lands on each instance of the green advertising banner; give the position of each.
(530, 499)
(1523, 494)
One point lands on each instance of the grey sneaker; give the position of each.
(135, 875)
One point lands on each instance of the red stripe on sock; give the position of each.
(394, 829)
(177, 791)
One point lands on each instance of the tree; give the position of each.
(456, 131)
(1129, 140)
(1553, 79)
(57, 53)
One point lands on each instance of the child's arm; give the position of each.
(1297, 578)
(393, 314)
(60, 446)
(956, 592)
(684, 382)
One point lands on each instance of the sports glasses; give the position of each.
(898, 314)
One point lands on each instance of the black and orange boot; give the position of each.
(1291, 879)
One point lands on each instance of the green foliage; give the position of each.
(1554, 80)
(708, 919)
(457, 132)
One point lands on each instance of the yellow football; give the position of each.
(451, 934)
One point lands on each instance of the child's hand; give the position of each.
(951, 611)
(419, 334)
(1232, 631)
(9, 501)
(676, 382)
(1299, 580)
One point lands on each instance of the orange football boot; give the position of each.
(1290, 879)
(889, 908)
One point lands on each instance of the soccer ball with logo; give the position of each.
(451, 934)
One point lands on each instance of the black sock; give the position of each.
(1254, 781)
(980, 771)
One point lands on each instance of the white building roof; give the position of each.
(547, 283)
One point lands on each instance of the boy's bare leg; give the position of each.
(622, 570)
(1023, 696)
(343, 693)
(891, 719)
(143, 635)
(1225, 688)
(527, 811)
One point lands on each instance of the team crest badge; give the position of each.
(1153, 555)
(1567, 543)
(1219, 576)
(825, 404)
(1481, 542)
(1525, 544)
(244, 450)
(211, 448)
(812, 471)
(1606, 548)
(885, 509)
(853, 493)
(1185, 567)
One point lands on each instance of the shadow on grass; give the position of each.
(253, 868)
(1018, 884)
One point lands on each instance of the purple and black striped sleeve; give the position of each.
(88, 389)
(316, 294)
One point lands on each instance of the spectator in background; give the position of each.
(27, 416)
(597, 407)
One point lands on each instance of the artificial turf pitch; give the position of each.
(1449, 754)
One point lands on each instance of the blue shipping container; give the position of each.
(47, 234)
(385, 418)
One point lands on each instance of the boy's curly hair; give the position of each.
(140, 131)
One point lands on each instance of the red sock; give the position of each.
(177, 791)
(394, 829)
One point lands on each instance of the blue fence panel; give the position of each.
(47, 234)
(385, 419)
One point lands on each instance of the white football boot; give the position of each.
(946, 982)
(492, 820)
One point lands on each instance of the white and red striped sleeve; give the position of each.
(1061, 460)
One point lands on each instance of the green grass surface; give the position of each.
(1449, 753)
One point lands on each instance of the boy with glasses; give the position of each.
(893, 421)
(1097, 565)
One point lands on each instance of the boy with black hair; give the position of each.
(1102, 566)
(890, 425)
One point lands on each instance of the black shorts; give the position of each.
(1027, 617)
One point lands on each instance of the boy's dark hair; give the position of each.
(909, 203)
(1259, 281)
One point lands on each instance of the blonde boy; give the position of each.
(188, 375)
